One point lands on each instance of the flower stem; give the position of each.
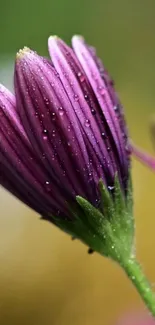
(136, 275)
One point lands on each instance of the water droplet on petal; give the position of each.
(61, 111)
(76, 97)
(110, 188)
(86, 96)
(46, 100)
(48, 186)
(102, 90)
(53, 116)
(45, 134)
(53, 133)
(103, 135)
(81, 76)
(87, 123)
(116, 108)
(93, 111)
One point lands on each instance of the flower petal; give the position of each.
(17, 190)
(51, 124)
(105, 95)
(18, 158)
(68, 68)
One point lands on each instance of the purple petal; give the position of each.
(65, 62)
(96, 130)
(52, 125)
(105, 95)
(18, 159)
(17, 190)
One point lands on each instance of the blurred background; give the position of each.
(45, 278)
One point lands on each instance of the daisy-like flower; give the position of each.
(64, 150)
(63, 135)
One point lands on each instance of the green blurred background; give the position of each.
(45, 278)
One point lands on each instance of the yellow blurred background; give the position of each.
(45, 278)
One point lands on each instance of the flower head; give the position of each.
(64, 138)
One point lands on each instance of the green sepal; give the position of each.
(106, 203)
(108, 229)
(119, 199)
(94, 217)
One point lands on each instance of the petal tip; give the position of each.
(22, 52)
(77, 37)
(53, 38)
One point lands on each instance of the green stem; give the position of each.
(136, 275)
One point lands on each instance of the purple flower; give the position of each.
(64, 151)
(63, 131)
